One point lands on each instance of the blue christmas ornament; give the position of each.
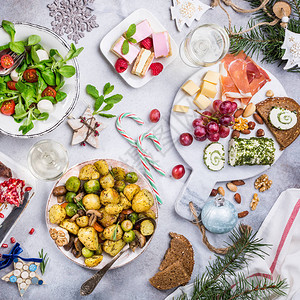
(219, 215)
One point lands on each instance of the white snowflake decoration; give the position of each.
(291, 45)
(186, 11)
(72, 17)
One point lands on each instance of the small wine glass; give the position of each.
(204, 46)
(48, 160)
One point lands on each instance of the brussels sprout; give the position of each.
(129, 236)
(73, 184)
(120, 185)
(118, 173)
(71, 209)
(92, 186)
(87, 252)
(133, 217)
(131, 177)
(126, 225)
(70, 197)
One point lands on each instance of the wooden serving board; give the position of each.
(202, 180)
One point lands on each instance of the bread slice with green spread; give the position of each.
(283, 137)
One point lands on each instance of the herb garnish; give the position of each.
(115, 232)
(128, 38)
(44, 262)
(99, 100)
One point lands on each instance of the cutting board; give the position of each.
(201, 180)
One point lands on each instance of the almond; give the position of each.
(249, 110)
(237, 198)
(238, 113)
(243, 214)
(213, 193)
(232, 187)
(245, 131)
(260, 133)
(258, 119)
(238, 182)
(221, 191)
(235, 134)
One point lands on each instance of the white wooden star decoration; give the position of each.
(186, 11)
(86, 129)
(24, 274)
(291, 45)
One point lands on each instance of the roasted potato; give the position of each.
(131, 190)
(88, 236)
(82, 221)
(113, 248)
(88, 172)
(56, 214)
(102, 167)
(150, 214)
(59, 191)
(147, 228)
(118, 173)
(70, 226)
(91, 201)
(124, 201)
(109, 196)
(107, 219)
(101, 237)
(93, 261)
(113, 209)
(142, 201)
(109, 232)
(107, 181)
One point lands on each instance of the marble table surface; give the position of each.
(63, 278)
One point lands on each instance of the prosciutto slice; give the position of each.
(244, 78)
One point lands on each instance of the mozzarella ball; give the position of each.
(14, 75)
(42, 54)
(45, 106)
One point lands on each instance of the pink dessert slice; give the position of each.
(143, 30)
(130, 56)
(161, 44)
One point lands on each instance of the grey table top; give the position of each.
(63, 278)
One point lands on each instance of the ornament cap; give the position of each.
(219, 201)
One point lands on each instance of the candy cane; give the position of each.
(120, 129)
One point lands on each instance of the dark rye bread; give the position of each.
(283, 137)
(180, 250)
(177, 267)
(171, 277)
(5, 171)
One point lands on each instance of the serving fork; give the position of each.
(18, 58)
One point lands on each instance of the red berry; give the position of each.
(147, 43)
(154, 115)
(1, 215)
(121, 65)
(28, 189)
(12, 240)
(156, 68)
(31, 231)
(178, 171)
(4, 246)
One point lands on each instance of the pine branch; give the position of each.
(295, 4)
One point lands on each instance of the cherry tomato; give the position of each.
(30, 75)
(49, 91)
(6, 61)
(11, 85)
(8, 108)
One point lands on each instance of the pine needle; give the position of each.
(45, 259)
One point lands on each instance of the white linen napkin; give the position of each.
(281, 229)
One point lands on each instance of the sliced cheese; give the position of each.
(190, 87)
(208, 89)
(212, 77)
(181, 108)
(201, 101)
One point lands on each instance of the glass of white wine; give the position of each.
(48, 160)
(204, 46)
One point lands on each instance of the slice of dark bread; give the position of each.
(171, 277)
(180, 250)
(283, 137)
(5, 171)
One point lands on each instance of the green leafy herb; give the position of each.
(17, 47)
(128, 38)
(100, 99)
(115, 232)
(33, 39)
(44, 262)
(67, 71)
(9, 28)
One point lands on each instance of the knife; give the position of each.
(9, 222)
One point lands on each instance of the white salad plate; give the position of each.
(19, 172)
(135, 18)
(129, 255)
(202, 180)
(49, 40)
